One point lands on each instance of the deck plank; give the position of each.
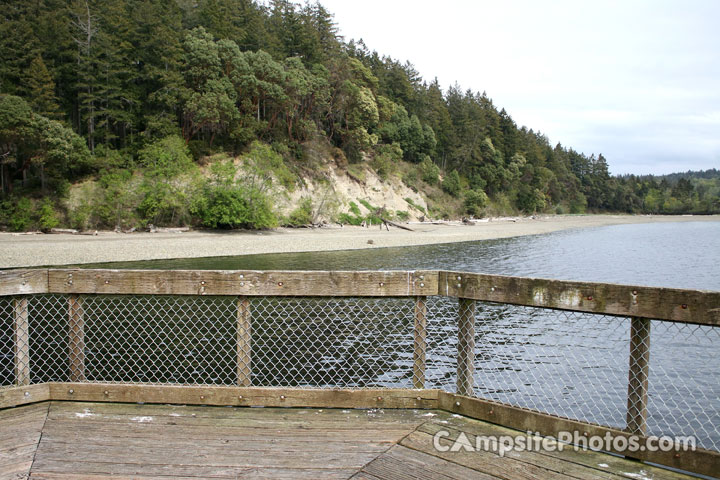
(98, 441)
(485, 462)
(214, 442)
(20, 432)
(586, 463)
(401, 463)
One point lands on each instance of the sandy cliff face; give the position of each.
(334, 193)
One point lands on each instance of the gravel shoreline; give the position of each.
(23, 250)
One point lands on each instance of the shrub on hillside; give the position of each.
(302, 215)
(451, 183)
(475, 202)
(429, 171)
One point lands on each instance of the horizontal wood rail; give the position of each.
(246, 283)
(670, 304)
(221, 395)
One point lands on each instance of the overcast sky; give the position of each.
(638, 81)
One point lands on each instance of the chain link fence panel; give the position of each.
(568, 364)
(684, 386)
(332, 342)
(7, 343)
(577, 365)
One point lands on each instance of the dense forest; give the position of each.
(125, 102)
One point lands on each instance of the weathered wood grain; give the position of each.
(76, 338)
(487, 463)
(244, 340)
(419, 342)
(677, 305)
(239, 396)
(466, 347)
(103, 440)
(23, 395)
(244, 283)
(601, 465)
(402, 463)
(535, 458)
(21, 340)
(20, 431)
(639, 371)
(23, 282)
(701, 461)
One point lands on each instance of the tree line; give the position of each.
(91, 88)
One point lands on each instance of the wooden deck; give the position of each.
(74, 440)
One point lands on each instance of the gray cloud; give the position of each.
(637, 81)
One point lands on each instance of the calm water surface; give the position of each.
(682, 255)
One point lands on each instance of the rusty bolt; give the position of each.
(382, 284)
(634, 292)
(240, 397)
(422, 284)
(27, 394)
(280, 284)
(202, 397)
(282, 397)
(202, 283)
(379, 399)
(71, 391)
(242, 276)
(491, 412)
(106, 392)
(589, 297)
(457, 404)
(684, 306)
(419, 398)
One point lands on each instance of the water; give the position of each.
(565, 363)
(680, 255)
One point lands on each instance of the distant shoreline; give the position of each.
(22, 250)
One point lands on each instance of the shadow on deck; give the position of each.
(75, 440)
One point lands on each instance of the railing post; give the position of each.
(419, 344)
(466, 347)
(244, 339)
(22, 341)
(76, 338)
(638, 376)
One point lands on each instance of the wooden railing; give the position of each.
(639, 303)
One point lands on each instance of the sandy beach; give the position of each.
(26, 250)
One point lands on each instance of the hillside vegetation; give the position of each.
(231, 113)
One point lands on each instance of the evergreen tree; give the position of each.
(41, 89)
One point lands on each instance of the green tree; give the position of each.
(451, 183)
(41, 89)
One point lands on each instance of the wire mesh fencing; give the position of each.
(569, 364)
(583, 366)
(684, 382)
(8, 362)
(332, 342)
(300, 342)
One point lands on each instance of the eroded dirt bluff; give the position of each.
(334, 193)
